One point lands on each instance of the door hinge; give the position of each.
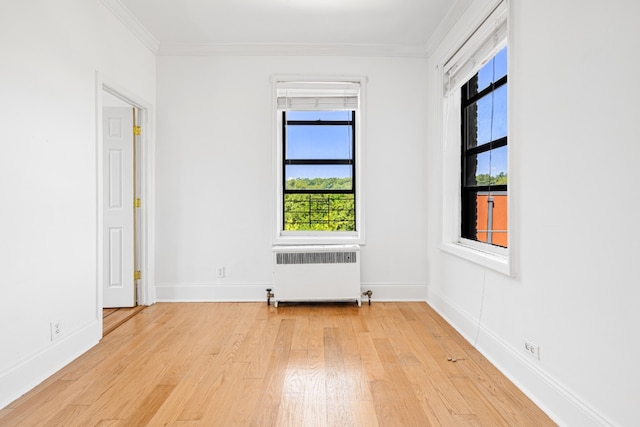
(137, 202)
(137, 130)
(137, 275)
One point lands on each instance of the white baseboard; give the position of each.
(32, 371)
(237, 292)
(555, 400)
(395, 291)
(211, 292)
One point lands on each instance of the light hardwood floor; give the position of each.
(114, 317)
(224, 364)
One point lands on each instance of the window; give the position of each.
(476, 170)
(318, 150)
(319, 170)
(484, 180)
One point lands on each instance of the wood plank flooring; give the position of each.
(249, 364)
(114, 317)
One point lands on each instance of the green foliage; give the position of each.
(319, 212)
(319, 184)
(486, 179)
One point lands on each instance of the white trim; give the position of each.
(280, 237)
(132, 23)
(211, 292)
(31, 371)
(256, 292)
(314, 237)
(290, 49)
(556, 400)
(390, 292)
(446, 24)
(146, 290)
(499, 263)
(485, 42)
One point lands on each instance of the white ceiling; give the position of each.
(404, 25)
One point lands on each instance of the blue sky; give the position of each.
(492, 116)
(318, 142)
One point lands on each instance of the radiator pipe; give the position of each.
(269, 296)
(368, 294)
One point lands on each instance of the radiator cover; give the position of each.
(316, 273)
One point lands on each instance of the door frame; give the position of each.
(145, 294)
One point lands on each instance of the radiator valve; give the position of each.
(269, 296)
(368, 294)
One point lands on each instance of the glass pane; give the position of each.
(319, 115)
(478, 169)
(318, 177)
(499, 123)
(487, 168)
(499, 166)
(319, 142)
(487, 118)
(491, 218)
(319, 212)
(493, 70)
(500, 64)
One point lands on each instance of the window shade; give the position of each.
(317, 96)
(483, 44)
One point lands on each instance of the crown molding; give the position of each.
(132, 23)
(283, 49)
(447, 23)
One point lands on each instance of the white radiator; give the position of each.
(316, 273)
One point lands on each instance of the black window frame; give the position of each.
(468, 208)
(351, 162)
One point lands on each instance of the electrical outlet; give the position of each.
(56, 330)
(220, 272)
(532, 349)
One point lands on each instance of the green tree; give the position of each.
(319, 211)
(486, 179)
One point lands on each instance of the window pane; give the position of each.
(493, 70)
(500, 63)
(318, 177)
(499, 116)
(499, 166)
(491, 218)
(319, 212)
(478, 169)
(319, 115)
(486, 119)
(319, 142)
(487, 168)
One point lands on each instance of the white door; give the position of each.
(118, 215)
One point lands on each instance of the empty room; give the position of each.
(319, 212)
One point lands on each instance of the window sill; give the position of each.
(497, 262)
(318, 238)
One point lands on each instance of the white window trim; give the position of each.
(491, 256)
(281, 237)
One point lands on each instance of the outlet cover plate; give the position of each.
(531, 348)
(56, 330)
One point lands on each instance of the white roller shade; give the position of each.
(317, 96)
(483, 44)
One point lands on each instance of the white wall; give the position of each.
(576, 223)
(50, 54)
(215, 174)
